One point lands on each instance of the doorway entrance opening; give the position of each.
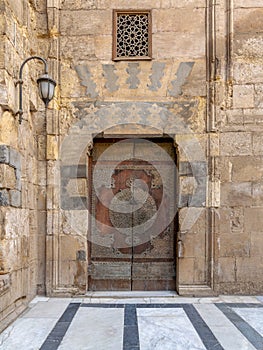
(132, 229)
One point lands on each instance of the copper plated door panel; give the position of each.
(136, 248)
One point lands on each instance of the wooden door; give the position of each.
(132, 233)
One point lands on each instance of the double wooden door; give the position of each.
(132, 207)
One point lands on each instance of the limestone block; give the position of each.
(200, 270)
(122, 4)
(41, 198)
(4, 154)
(186, 270)
(214, 145)
(234, 245)
(256, 244)
(246, 3)
(190, 20)
(258, 96)
(184, 3)
(191, 220)
(75, 222)
(246, 271)
(8, 128)
(15, 198)
(236, 194)
(226, 269)
(248, 47)
(191, 147)
(42, 173)
(235, 117)
(253, 218)
(76, 5)
(248, 20)
(236, 144)
(4, 198)
(193, 244)
(257, 193)
(41, 147)
(52, 147)
(70, 245)
(180, 46)
(103, 45)
(229, 220)
(31, 196)
(16, 223)
(42, 222)
(15, 159)
(253, 119)
(77, 187)
(3, 95)
(80, 47)
(243, 96)
(56, 3)
(196, 83)
(7, 176)
(70, 85)
(86, 22)
(247, 73)
(247, 168)
(67, 271)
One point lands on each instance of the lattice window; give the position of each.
(132, 35)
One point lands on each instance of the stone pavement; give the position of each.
(110, 321)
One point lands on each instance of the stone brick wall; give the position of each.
(238, 166)
(22, 158)
(204, 82)
(203, 88)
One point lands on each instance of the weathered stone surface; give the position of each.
(15, 159)
(163, 20)
(4, 154)
(8, 128)
(4, 198)
(243, 96)
(236, 194)
(236, 144)
(52, 147)
(86, 22)
(7, 176)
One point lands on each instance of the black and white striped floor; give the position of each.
(231, 323)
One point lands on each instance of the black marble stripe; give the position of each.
(243, 305)
(204, 332)
(105, 306)
(249, 332)
(144, 306)
(56, 335)
(130, 331)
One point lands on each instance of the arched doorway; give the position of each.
(132, 230)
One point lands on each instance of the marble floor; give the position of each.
(138, 322)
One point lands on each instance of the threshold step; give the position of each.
(131, 294)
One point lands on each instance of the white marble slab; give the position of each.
(226, 333)
(260, 298)
(253, 316)
(94, 329)
(26, 333)
(167, 329)
(50, 309)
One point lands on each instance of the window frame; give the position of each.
(114, 36)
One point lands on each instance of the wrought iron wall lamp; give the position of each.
(46, 85)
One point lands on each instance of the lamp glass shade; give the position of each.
(46, 86)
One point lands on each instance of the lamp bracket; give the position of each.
(20, 81)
